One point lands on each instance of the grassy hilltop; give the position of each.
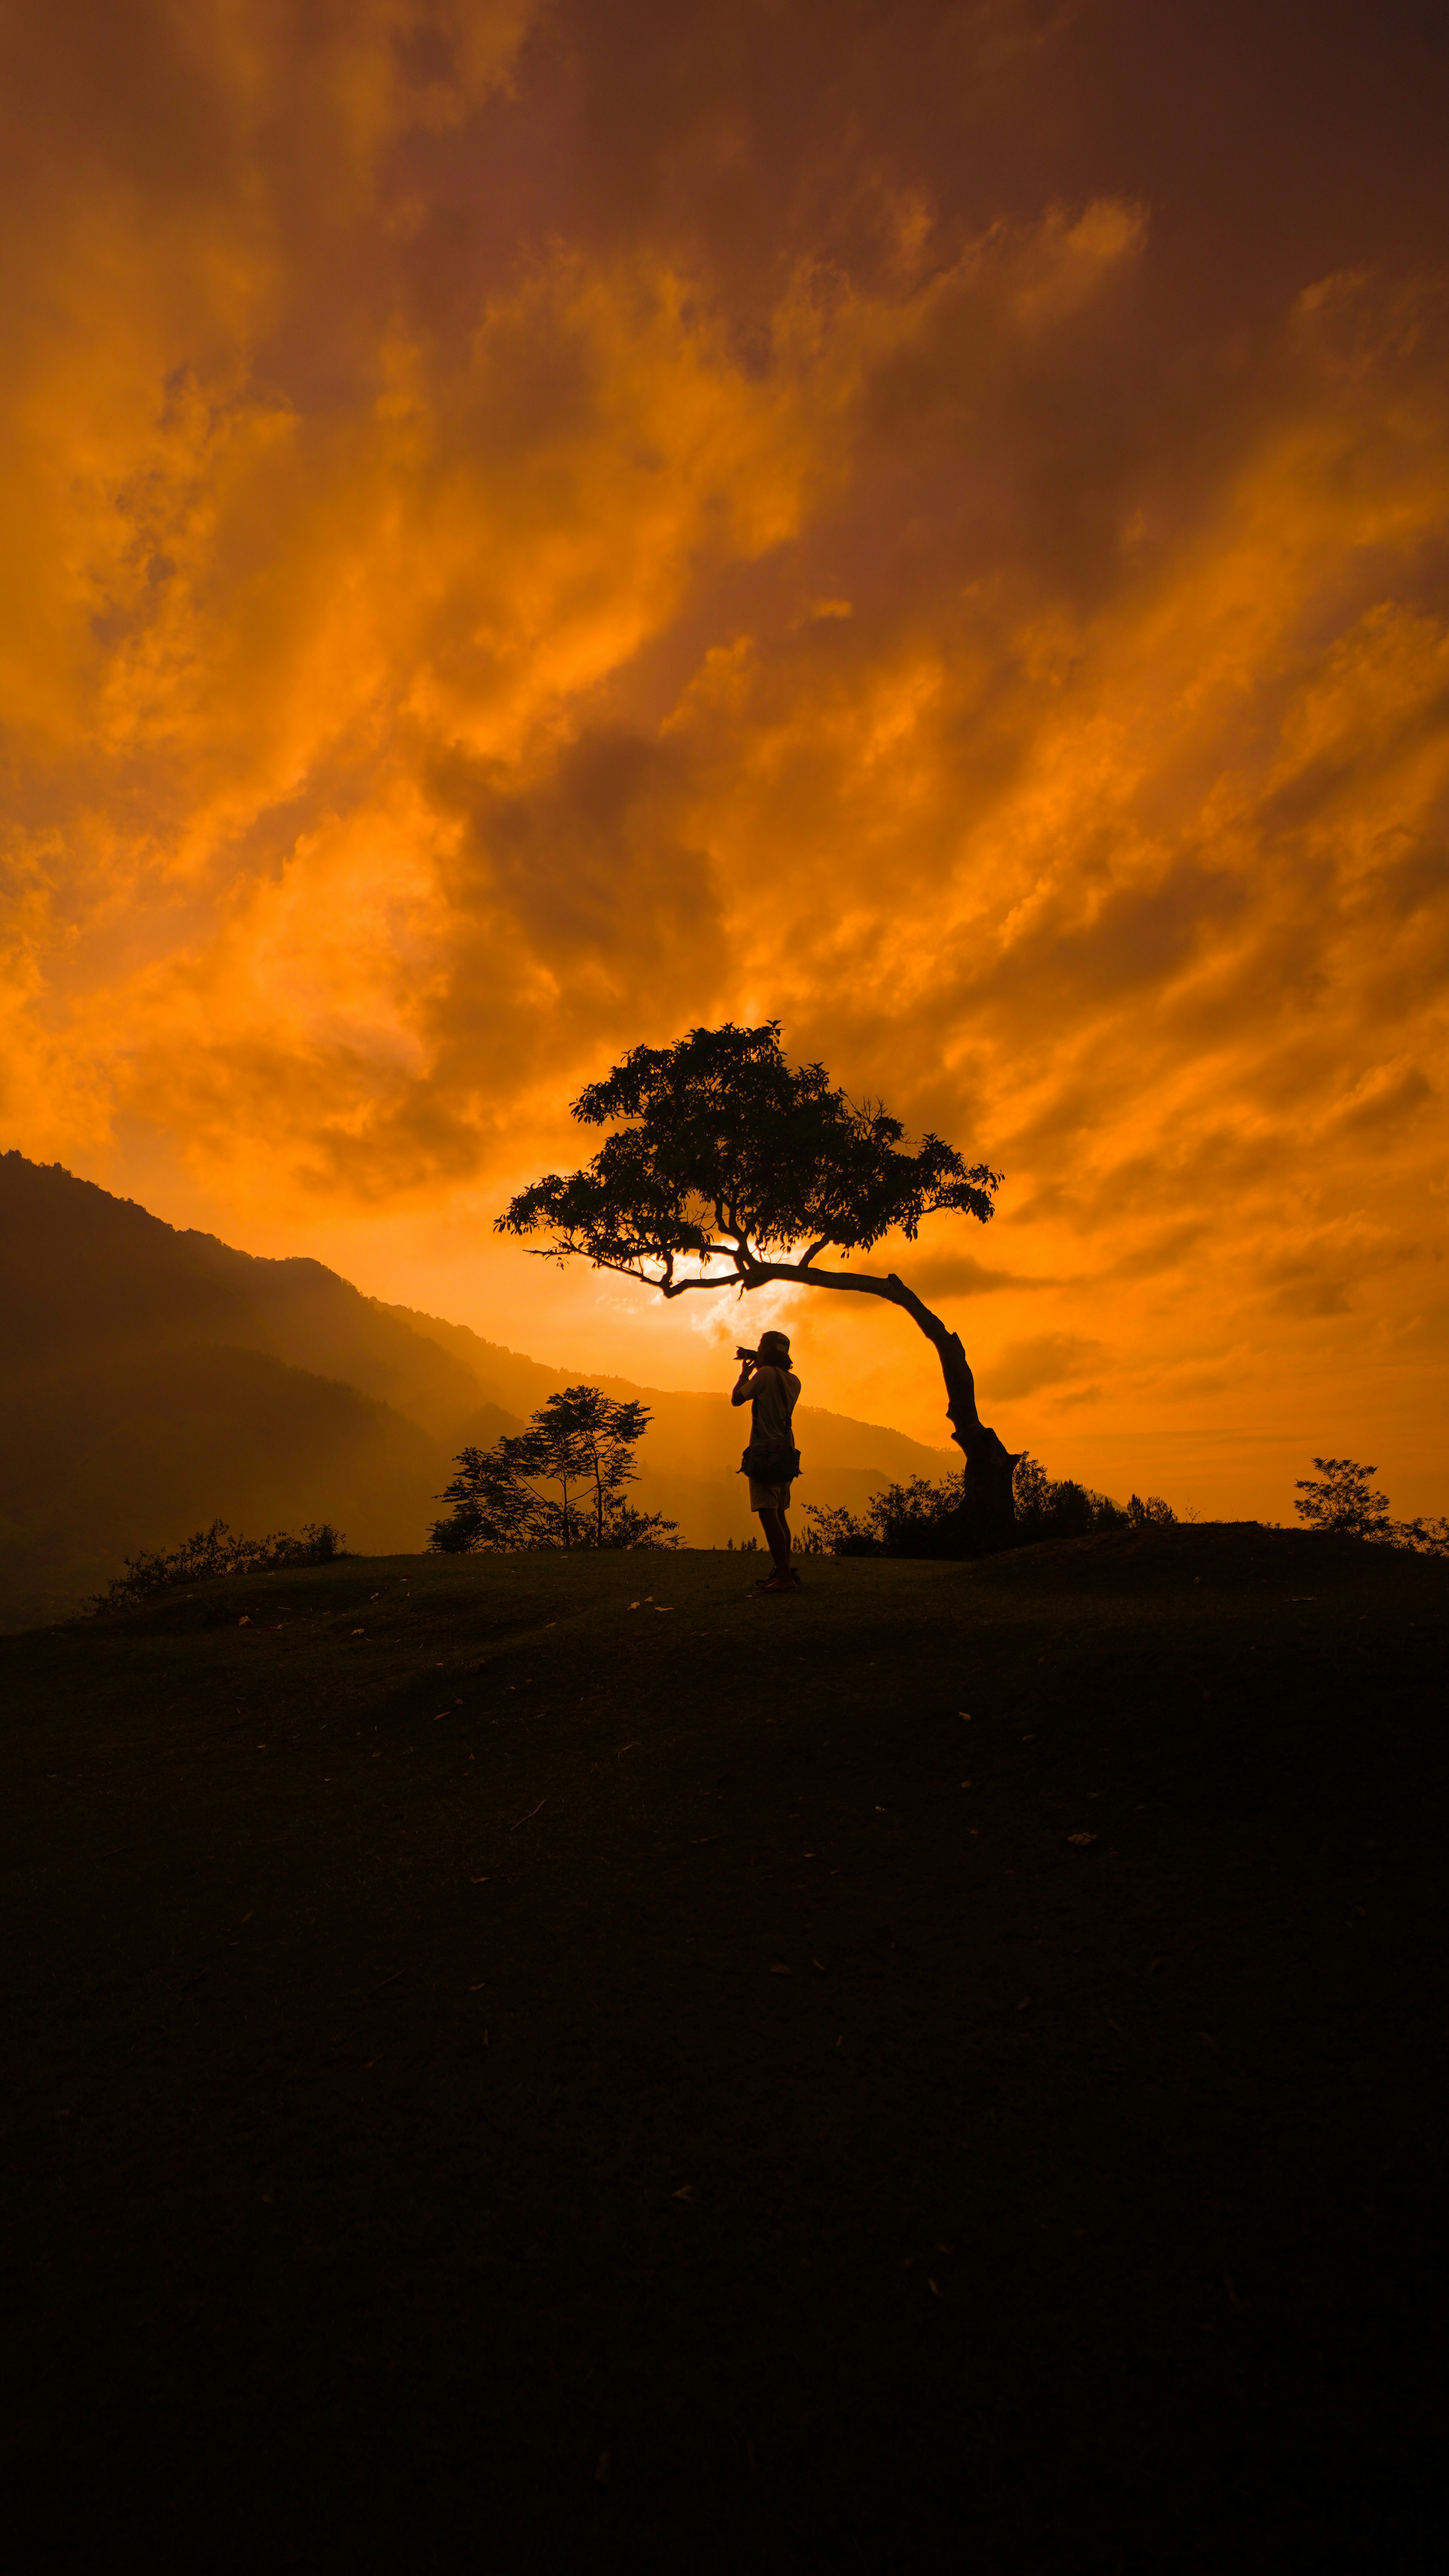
(512, 2079)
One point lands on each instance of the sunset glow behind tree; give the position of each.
(529, 529)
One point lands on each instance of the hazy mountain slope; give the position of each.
(81, 1271)
(510, 1377)
(153, 1380)
(133, 1450)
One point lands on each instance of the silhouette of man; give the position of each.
(768, 1385)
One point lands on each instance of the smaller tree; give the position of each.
(1340, 1498)
(559, 1483)
(601, 1434)
(494, 1504)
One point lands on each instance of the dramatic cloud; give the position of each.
(531, 526)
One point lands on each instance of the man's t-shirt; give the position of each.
(773, 1396)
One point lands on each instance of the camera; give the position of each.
(746, 1355)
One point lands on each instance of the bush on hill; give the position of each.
(218, 1550)
(925, 1519)
(1341, 1500)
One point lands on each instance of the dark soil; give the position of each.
(542, 2083)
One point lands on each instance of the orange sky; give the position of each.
(530, 527)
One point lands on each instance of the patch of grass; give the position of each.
(511, 2079)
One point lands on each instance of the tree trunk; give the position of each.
(988, 1510)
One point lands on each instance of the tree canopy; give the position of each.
(1341, 1498)
(727, 1159)
(730, 1168)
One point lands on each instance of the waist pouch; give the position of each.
(771, 1462)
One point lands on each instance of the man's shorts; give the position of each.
(769, 1498)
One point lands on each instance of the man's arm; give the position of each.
(741, 1391)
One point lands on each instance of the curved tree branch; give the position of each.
(983, 1449)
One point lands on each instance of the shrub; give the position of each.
(922, 1519)
(215, 1551)
(1048, 1507)
(1427, 1538)
(902, 1520)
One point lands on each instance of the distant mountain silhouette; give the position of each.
(152, 1380)
(82, 1271)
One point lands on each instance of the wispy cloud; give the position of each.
(530, 528)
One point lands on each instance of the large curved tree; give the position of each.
(729, 1168)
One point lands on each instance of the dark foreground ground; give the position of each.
(504, 2079)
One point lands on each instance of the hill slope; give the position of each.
(84, 1273)
(153, 1380)
(605, 2121)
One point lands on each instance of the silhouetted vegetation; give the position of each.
(1341, 1500)
(219, 1550)
(558, 1484)
(925, 1519)
(732, 1169)
(1047, 1507)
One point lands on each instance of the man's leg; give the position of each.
(777, 1538)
